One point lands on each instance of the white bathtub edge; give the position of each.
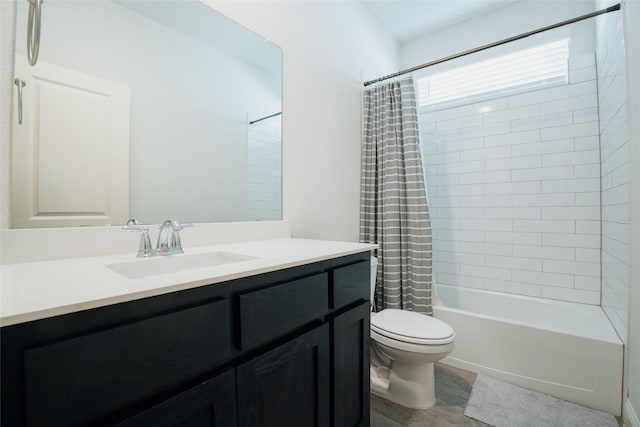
(606, 332)
(630, 417)
(600, 399)
(572, 367)
(590, 398)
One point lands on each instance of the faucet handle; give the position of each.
(145, 248)
(176, 243)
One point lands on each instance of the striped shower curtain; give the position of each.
(393, 198)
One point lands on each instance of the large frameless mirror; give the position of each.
(144, 109)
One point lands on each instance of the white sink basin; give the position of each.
(173, 263)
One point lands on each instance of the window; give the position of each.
(524, 70)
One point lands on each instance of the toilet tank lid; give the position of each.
(411, 324)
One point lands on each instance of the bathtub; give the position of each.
(566, 350)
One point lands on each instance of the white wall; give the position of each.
(614, 158)
(631, 12)
(327, 45)
(514, 193)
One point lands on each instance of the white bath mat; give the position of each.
(506, 405)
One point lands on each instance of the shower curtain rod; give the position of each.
(265, 117)
(494, 44)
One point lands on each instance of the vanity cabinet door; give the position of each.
(287, 386)
(210, 404)
(350, 361)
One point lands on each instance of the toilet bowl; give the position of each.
(404, 347)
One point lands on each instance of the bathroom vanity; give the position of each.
(281, 340)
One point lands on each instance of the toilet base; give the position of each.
(410, 385)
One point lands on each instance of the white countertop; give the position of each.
(36, 290)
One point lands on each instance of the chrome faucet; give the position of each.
(168, 239)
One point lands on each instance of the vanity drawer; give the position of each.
(349, 284)
(272, 312)
(72, 381)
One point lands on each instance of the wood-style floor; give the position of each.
(453, 387)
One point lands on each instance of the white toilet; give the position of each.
(404, 347)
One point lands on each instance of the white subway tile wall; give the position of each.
(265, 171)
(514, 190)
(614, 153)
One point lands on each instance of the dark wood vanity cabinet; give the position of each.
(285, 348)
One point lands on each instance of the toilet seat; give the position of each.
(410, 327)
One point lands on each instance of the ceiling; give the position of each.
(406, 20)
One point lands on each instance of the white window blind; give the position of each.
(523, 70)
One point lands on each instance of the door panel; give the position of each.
(287, 386)
(65, 171)
(350, 393)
